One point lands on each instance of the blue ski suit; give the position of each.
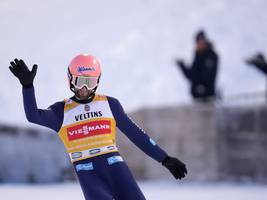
(87, 130)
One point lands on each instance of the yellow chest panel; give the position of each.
(89, 129)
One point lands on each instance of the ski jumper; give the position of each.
(88, 132)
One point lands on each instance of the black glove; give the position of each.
(257, 60)
(22, 72)
(180, 63)
(175, 166)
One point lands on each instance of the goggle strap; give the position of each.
(76, 79)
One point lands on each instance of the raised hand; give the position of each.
(22, 72)
(180, 63)
(257, 60)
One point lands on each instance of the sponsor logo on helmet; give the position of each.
(84, 69)
(76, 155)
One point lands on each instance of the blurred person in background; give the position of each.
(203, 71)
(258, 61)
(86, 124)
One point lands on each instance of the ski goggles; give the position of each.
(80, 81)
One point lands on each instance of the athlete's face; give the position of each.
(83, 93)
(201, 45)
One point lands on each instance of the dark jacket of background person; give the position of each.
(203, 71)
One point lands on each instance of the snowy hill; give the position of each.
(136, 42)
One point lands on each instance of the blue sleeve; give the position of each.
(134, 133)
(52, 117)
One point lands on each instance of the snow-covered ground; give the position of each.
(159, 190)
